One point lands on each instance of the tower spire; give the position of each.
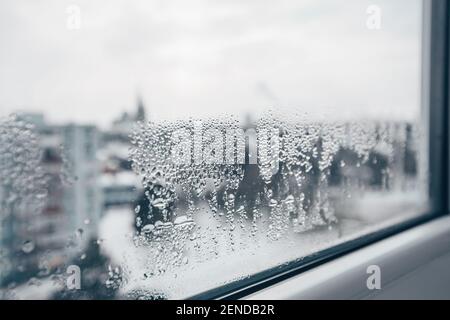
(140, 113)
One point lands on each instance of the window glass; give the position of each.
(160, 149)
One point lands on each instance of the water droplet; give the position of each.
(148, 228)
(28, 246)
(79, 232)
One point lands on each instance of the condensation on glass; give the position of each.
(262, 133)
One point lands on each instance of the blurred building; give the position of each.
(48, 236)
(123, 126)
(22, 193)
(76, 172)
(119, 189)
(120, 185)
(82, 197)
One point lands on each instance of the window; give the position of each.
(163, 150)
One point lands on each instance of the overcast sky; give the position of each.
(207, 57)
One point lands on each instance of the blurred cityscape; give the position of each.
(73, 175)
(86, 172)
